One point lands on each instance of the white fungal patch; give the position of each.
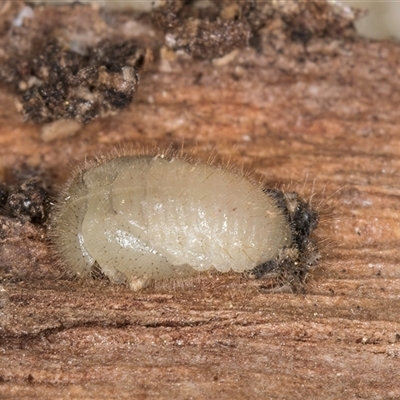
(138, 218)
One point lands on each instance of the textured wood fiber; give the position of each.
(329, 123)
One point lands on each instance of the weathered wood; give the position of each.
(325, 121)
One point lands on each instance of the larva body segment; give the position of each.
(150, 217)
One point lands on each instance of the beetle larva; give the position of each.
(139, 218)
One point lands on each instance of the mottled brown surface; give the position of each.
(325, 121)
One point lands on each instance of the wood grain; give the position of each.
(326, 123)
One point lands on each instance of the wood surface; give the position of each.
(323, 120)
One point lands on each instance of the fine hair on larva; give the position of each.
(160, 215)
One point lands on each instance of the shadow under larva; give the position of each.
(136, 219)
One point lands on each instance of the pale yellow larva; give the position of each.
(139, 218)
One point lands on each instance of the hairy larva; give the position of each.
(139, 218)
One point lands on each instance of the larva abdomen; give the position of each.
(152, 217)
